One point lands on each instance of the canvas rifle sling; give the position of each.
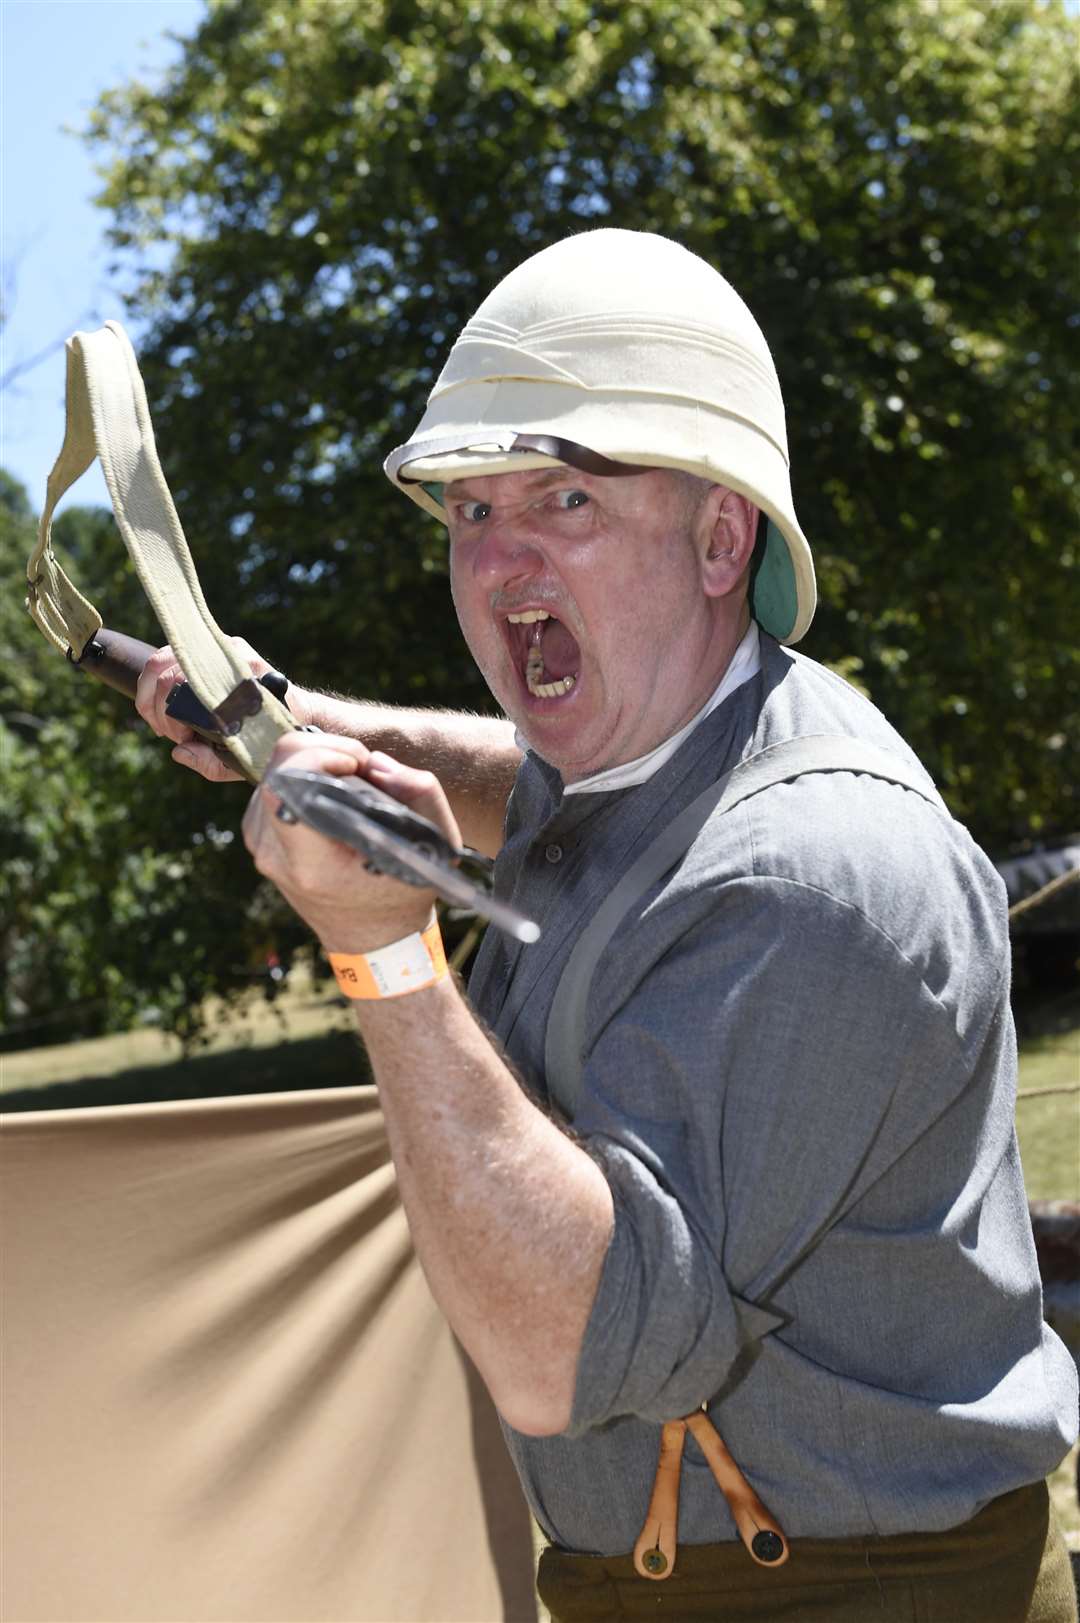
(107, 416)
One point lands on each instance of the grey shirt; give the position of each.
(799, 1038)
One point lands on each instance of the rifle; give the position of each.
(107, 416)
(392, 839)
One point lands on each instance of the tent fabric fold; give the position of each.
(227, 1392)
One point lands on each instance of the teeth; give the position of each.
(534, 661)
(550, 690)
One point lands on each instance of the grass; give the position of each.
(1048, 1127)
(1049, 1133)
(1048, 1123)
(305, 1039)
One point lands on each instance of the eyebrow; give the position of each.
(546, 477)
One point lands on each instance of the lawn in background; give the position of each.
(1048, 1116)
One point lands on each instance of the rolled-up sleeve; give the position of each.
(746, 1086)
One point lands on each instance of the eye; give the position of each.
(474, 512)
(569, 499)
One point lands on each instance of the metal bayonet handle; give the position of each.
(393, 839)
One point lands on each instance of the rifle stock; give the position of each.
(118, 660)
(114, 659)
(392, 839)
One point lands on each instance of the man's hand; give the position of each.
(160, 675)
(348, 907)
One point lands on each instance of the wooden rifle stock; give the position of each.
(115, 660)
(392, 838)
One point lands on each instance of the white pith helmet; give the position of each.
(620, 347)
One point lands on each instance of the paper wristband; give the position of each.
(408, 965)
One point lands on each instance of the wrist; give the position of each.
(372, 931)
(409, 963)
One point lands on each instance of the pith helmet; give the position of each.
(620, 347)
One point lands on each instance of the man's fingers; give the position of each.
(159, 676)
(204, 759)
(326, 752)
(320, 752)
(300, 861)
(420, 791)
(311, 752)
(330, 884)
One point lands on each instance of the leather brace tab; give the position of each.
(758, 1528)
(657, 1545)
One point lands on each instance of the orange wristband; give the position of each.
(407, 965)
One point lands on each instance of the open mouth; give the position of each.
(545, 652)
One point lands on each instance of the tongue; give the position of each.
(562, 657)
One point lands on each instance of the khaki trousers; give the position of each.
(1008, 1564)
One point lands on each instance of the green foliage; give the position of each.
(123, 891)
(336, 184)
(342, 180)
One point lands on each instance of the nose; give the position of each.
(508, 551)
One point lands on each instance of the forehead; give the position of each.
(650, 485)
(502, 487)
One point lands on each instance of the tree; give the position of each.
(341, 180)
(118, 893)
(319, 193)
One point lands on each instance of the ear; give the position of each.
(726, 535)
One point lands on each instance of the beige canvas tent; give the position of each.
(227, 1393)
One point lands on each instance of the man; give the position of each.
(790, 1192)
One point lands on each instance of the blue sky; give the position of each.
(56, 57)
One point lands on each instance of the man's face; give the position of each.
(581, 599)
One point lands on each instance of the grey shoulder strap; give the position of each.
(816, 752)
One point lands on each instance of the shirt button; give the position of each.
(553, 853)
